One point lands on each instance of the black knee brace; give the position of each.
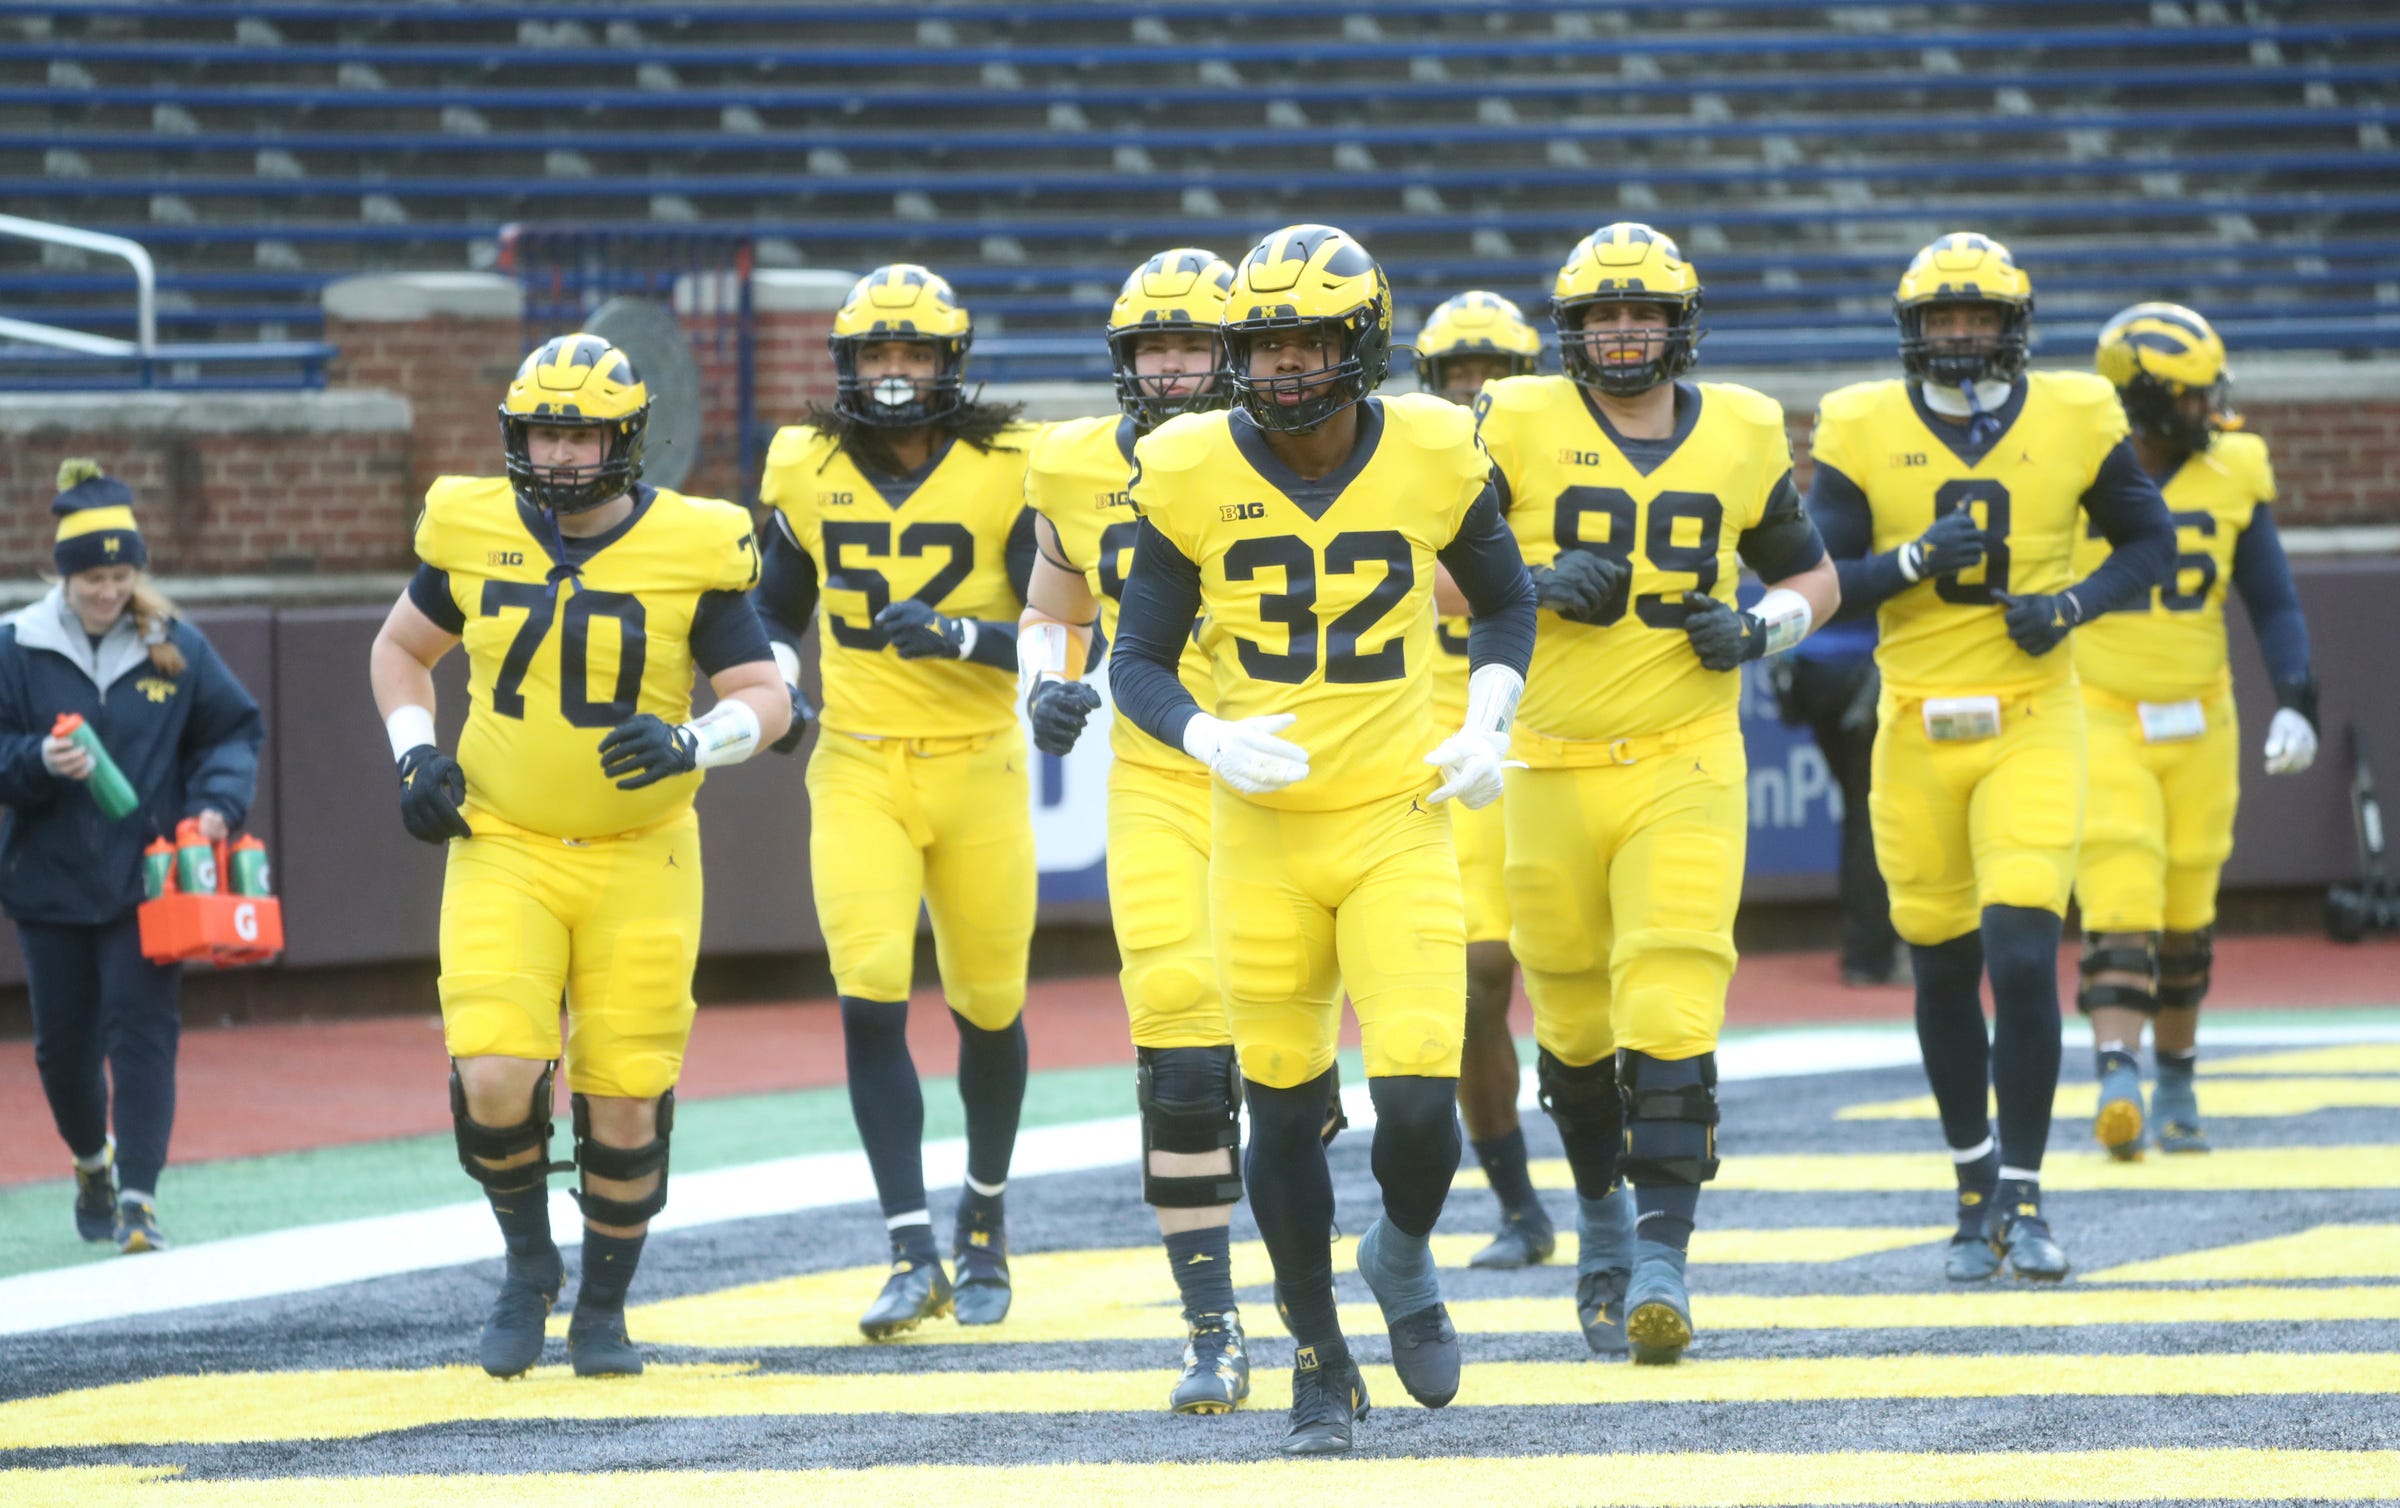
(2184, 960)
(479, 1143)
(1670, 1118)
(1580, 1099)
(1191, 1101)
(2102, 958)
(623, 1164)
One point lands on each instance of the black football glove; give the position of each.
(1952, 545)
(1582, 587)
(802, 715)
(2040, 621)
(1058, 711)
(645, 749)
(431, 788)
(919, 633)
(1722, 636)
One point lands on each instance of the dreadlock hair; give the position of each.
(977, 423)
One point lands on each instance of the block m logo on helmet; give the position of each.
(576, 381)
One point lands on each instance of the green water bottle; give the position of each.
(248, 861)
(158, 868)
(111, 791)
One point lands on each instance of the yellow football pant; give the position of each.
(612, 923)
(1158, 839)
(1482, 841)
(1624, 871)
(1994, 822)
(2159, 827)
(1303, 903)
(944, 821)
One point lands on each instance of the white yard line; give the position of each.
(314, 1257)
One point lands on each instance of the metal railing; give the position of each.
(143, 346)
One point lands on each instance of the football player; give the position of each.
(901, 526)
(1306, 525)
(585, 600)
(1168, 358)
(1952, 498)
(2158, 701)
(1470, 340)
(1638, 498)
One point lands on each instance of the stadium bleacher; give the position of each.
(2237, 156)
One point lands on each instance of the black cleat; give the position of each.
(1425, 1354)
(1600, 1309)
(598, 1346)
(96, 1202)
(915, 1292)
(1525, 1239)
(1216, 1367)
(1970, 1259)
(136, 1227)
(980, 1255)
(512, 1337)
(1328, 1398)
(2032, 1253)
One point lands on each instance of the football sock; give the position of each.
(991, 1084)
(608, 1264)
(1291, 1197)
(2021, 947)
(1665, 1211)
(885, 1099)
(1416, 1148)
(1978, 1181)
(2180, 1065)
(913, 1242)
(1503, 1161)
(1951, 1037)
(1399, 1268)
(1203, 1264)
(980, 1209)
(2019, 1188)
(524, 1216)
(2108, 1060)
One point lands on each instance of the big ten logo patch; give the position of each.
(1902, 459)
(507, 557)
(1236, 512)
(835, 499)
(1105, 500)
(154, 688)
(1569, 456)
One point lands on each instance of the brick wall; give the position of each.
(222, 483)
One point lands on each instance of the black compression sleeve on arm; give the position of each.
(2125, 503)
(429, 589)
(2263, 576)
(1783, 543)
(1846, 523)
(995, 644)
(786, 594)
(1154, 619)
(1484, 561)
(726, 632)
(1023, 546)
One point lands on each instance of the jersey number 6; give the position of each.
(1295, 607)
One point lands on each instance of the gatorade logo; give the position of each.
(245, 922)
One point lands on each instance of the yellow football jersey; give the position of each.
(1675, 510)
(2175, 649)
(940, 536)
(2026, 490)
(1078, 480)
(552, 668)
(1318, 596)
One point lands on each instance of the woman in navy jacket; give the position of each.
(106, 644)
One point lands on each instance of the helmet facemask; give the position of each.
(1300, 402)
(563, 490)
(896, 402)
(1138, 395)
(2156, 409)
(1955, 361)
(1667, 354)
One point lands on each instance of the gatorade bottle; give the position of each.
(110, 789)
(195, 860)
(158, 868)
(248, 861)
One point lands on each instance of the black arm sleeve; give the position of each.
(995, 644)
(1846, 523)
(1154, 619)
(1484, 561)
(1783, 543)
(2125, 503)
(1023, 546)
(429, 589)
(786, 594)
(726, 632)
(2263, 576)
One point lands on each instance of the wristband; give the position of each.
(966, 637)
(1492, 692)
(725, 734)
(1785, 617)
(408, 727)
(787, 661)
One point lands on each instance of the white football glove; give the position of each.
(1471, 761)
(2291, 743)
(1246, 754)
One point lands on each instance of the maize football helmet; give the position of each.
(1627, 263)
(1299, 277)
(1964, 268)
(2157, 355)
(900, 302)
(1475, 324)
(575, 381)
(1182, 289)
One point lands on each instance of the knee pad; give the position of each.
(1583, 1099)
(2184, 961)
(478, 1142)
(2101, 958)
(1191, 1101)
(1670, 1119)
(622, 1164)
